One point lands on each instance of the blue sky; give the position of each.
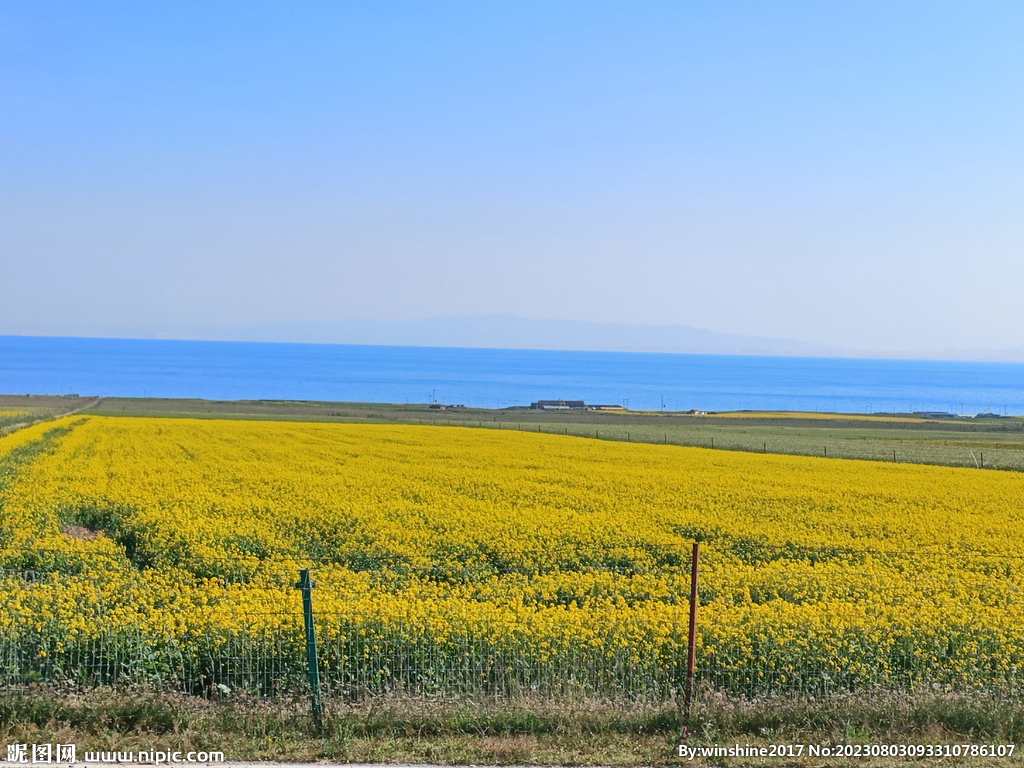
(839, 173)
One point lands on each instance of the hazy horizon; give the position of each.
(509, 332)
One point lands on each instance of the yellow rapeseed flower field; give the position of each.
(450, 558)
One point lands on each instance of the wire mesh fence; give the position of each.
(816, 627)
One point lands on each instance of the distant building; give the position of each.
(696, 412)
(559, 405)
(438, 407)
(574, 405)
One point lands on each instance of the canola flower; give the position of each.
(470, 560)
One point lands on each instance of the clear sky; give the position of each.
(846, 173)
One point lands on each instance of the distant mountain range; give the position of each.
(511, 332)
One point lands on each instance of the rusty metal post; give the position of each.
(691, 647)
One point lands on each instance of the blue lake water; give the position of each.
(493, 378)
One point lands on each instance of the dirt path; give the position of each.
(22, 424)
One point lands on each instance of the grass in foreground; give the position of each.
(418, 731)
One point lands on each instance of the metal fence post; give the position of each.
(691, 647)
(312, 663)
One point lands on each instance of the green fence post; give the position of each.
(312, 663)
